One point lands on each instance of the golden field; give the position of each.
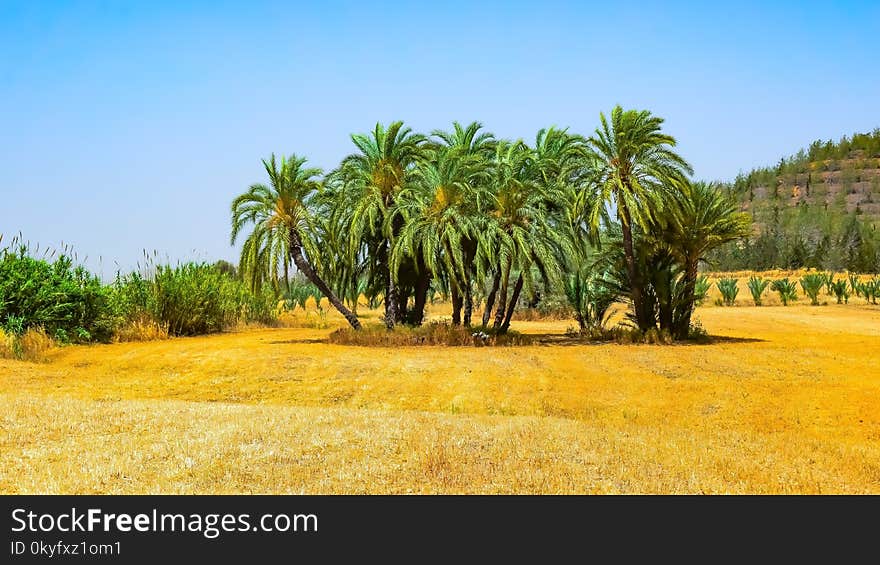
(786, 400)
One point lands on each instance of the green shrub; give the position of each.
(66, 301)
(787, 290)
(190, 299)
(841, 291)
(701, 289)
(729, 290)
(854, 285)
(870, 290)
(757, 286)
(828, 281)
(812, 285)
(590, 296)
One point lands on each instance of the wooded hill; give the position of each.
(817, 208)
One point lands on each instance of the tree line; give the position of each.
(812, 210)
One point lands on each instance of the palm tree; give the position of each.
(477, 148)
(519, 227)
(632, 167)
(282, 220)
(441, 220)
(465, 140)
(700, 220)
(372, 180)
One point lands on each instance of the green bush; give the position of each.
(66, 301)
(191, 299)
(854, 285)
(701, 289)
(870, 290)
(590, 295)
(841, 291)
(812, 285)
(757, 286)
(787, 290)
(729, 290)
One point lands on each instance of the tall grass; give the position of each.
(189, 299)
(32, 345)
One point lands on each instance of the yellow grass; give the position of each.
(787, 402)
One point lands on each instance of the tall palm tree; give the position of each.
(441, 212)
(281, 218)
(477, 148)
(633, 168)
(700, 220)
(372, 179)
(519, 227)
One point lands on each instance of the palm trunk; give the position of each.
(683, 324)
(502, 299)
(517, 289)
(456, 305)
(305, 268)
(390, 287)
(420, 299)
(632, 271)
(468, 305)
(402, 300)
(490, 300)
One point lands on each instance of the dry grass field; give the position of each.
(786, 400)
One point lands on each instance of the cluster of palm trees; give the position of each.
(484, 220)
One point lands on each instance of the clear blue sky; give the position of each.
(129, 125)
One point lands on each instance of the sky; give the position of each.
(130, 126)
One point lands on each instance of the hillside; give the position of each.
(817, 208)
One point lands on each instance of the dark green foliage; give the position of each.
(757, 286)
(787, 290)
(67, 301)
(729, 289)
(812, 285)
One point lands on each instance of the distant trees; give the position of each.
(832, 223)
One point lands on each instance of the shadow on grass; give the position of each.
(566, 340)
(554, 339)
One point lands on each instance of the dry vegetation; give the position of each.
(788, 401)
